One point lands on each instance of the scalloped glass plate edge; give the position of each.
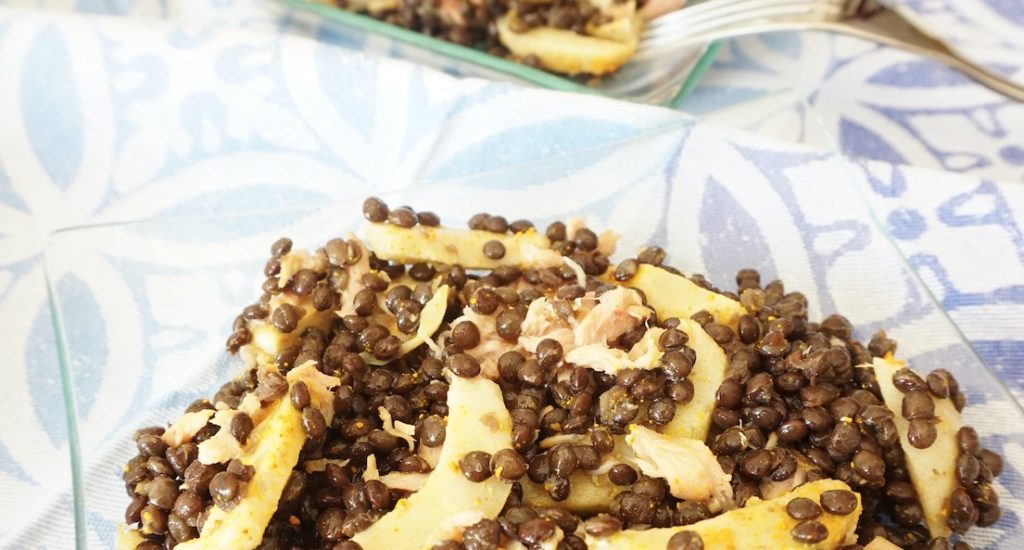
(516, 71)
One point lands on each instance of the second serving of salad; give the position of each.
(500, 386)
(571, 37)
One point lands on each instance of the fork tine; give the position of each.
(684, 28)
(660, 38)
(715, 8)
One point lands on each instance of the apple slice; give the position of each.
(277, 442)
(273, 451)
(760, 525)
(459, 246)
(591, 494)
(932, 470)
(128, 539)
(693, 420)
(477, 421)
(567, 52)
(673, 295)
(268, 340)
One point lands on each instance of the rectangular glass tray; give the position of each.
(459, 60)
(142, 309)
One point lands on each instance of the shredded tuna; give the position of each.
(687, 465)
(596, 321)
(319, 386)
(607, 241)
(491, 346)
(186, 427)
(354, 282)
(643, 355)
(397, 428)
(296, 260)
(543, 322)
(581, 276)
(617, 312)
(251, 406)
(223, 446)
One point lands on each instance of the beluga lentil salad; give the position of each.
(506, 387)
(572, 37)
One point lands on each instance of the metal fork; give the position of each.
(666, 35)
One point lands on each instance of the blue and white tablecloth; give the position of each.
(157, 108)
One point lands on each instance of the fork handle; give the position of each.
(885, 26)
(889, 27)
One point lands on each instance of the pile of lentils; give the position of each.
(792, 402)
(473, 24)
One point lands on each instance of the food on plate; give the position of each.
(501, 386)
(606, 42)
(572, 37)
(761, 524)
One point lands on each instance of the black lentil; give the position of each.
(476, 466)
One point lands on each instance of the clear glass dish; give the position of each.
(142, 309)
(373, 35)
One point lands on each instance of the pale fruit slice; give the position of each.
(186, 427)
(128, 539)
(590, 494)
(273, 450)
(932, 470)
(673, 295)
(269, 341)
(693, 420)
(477, 421)
(760, 525)
(459, 246)
(687, 465)
(564, 51)
(624, 29)
(277, 442)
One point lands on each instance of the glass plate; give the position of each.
(373, 35)
(142, 309)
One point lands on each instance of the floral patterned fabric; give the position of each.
(147, 109)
